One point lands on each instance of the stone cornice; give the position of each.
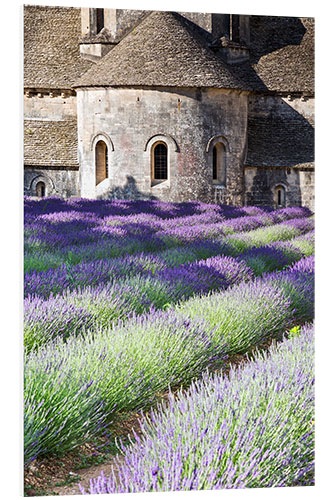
(51, 167)
(48, 92)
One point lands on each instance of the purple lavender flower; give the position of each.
(250, 429)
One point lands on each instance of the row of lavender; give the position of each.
(254, 428)
(271, 244)
(54, 236)
(101, 279)
(161, 209)
(74, 389)
(96, 293)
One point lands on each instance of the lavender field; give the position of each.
(127, 301)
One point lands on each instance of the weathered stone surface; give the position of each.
(186, 119)
(260, 184)
(58, 182)
(164, 77)
(52, 106)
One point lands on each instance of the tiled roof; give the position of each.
(280, 141)
(282, 53)
(51, 47)
(165, 49)
(50, 143)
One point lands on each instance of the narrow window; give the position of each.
(160, 162)
(219, 164)
(99, 19)
(235, 28)
(96, 20)
(101, 161)
(214, 164)
(40, 189)
(280, 196)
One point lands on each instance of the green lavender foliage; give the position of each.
(254, 428)
(72, 389)
(243, 316)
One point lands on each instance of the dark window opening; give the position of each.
(219, 165)
(160, 162)
(101, 161)
(235, 28)
(99, 19)
(40, 189)
(280, 196)
(230, 27)
(96, 20)
(214, 164)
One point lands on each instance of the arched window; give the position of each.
(159, 162)
(280, 196)
(101, 161)
(40, 189)
(219, 164)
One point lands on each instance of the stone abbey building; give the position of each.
(173, 106)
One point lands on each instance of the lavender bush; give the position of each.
(93, 229)
(99, 274)
(264, 236)
(202, 276)
(243, 316)
(304, 243)
(53, 318)
(98, 306)
(91, 307)
(297, 284)
(251, 429)
(73, 389)
(198, 250)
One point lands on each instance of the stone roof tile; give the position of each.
(51, 47)
(282, 53)
(165, 49)
(50, 143)
(280, 141)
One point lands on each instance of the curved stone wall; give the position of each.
(187, 120)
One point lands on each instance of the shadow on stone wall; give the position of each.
(266, 180)
(278, 135)
(273, 34)
(129, 191)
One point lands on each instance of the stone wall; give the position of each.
(58, 182)
(260, 184)
(50, 143)
(130, 120)
(52, 105)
